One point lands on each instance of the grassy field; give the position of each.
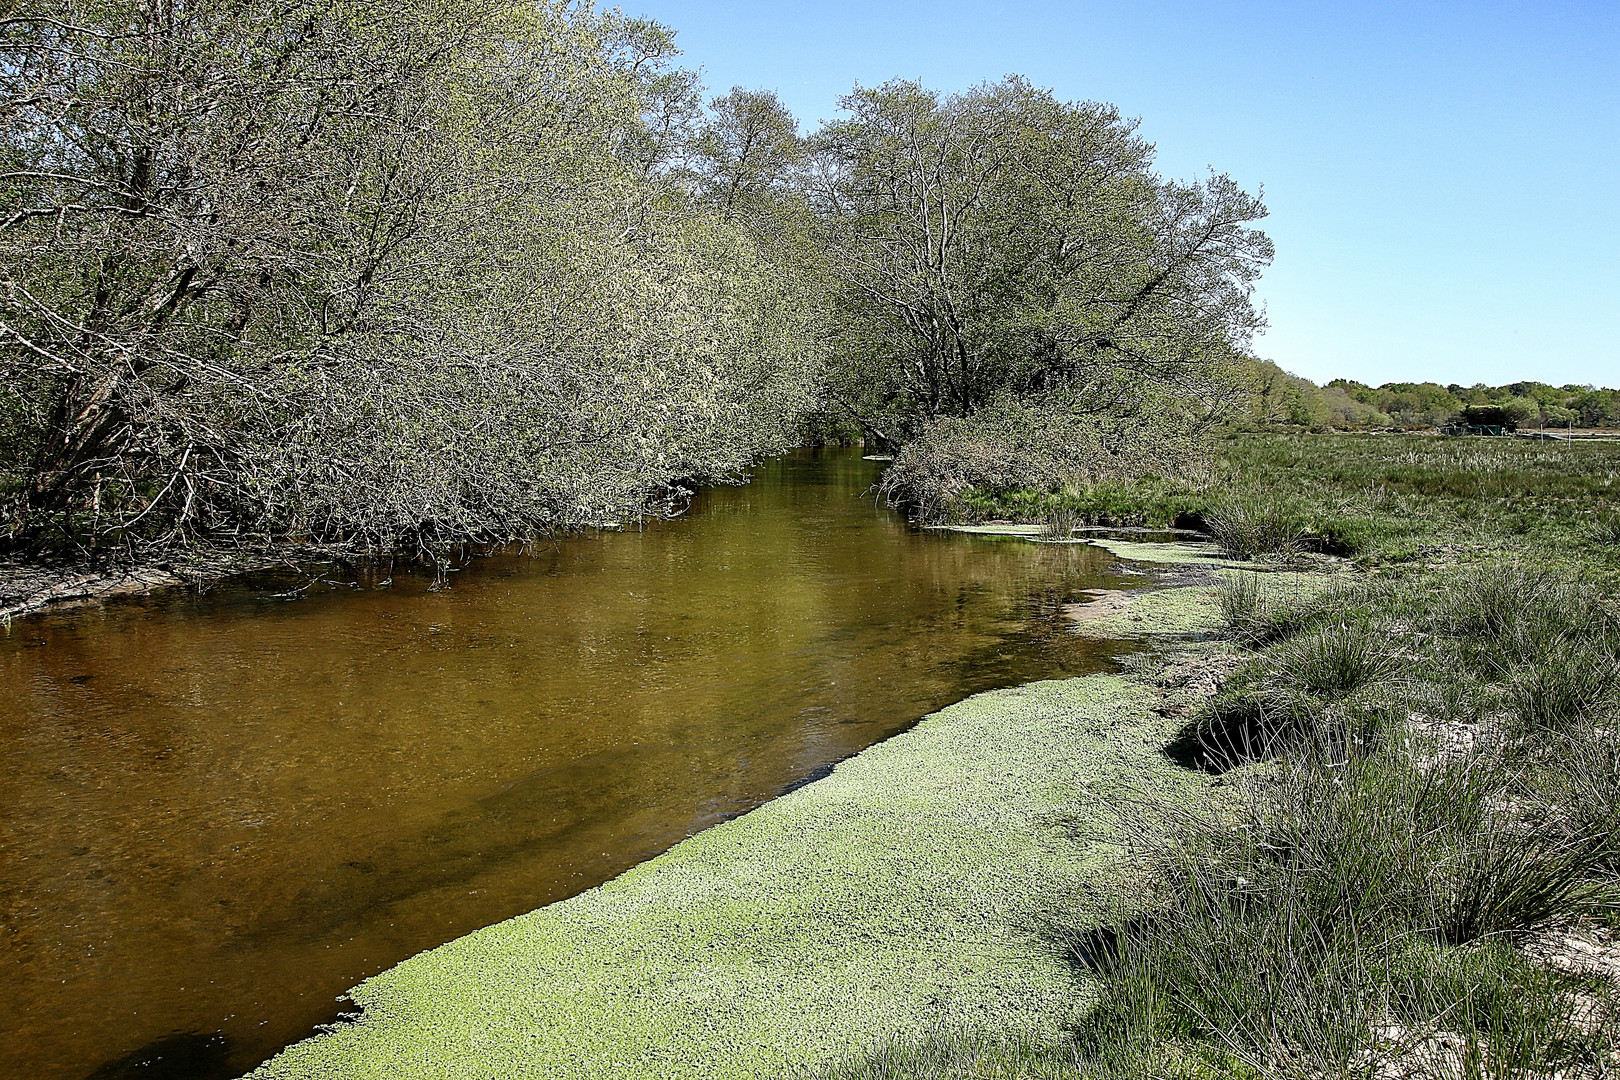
(1382, 499)
(1420, 874)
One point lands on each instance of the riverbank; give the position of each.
(1422, 876)
(913, 889)
(1431, 747)
(27, 587)
(1389, 501)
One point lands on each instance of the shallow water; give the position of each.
(219, 812)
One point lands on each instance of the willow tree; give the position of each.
(376, 274)
(1003, 246)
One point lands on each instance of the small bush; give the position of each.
(1013, 446)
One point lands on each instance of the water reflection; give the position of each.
(219, 812)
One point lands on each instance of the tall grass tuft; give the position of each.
(1306, 689)
(1551, 640)
(1250, 527)
(1573, 680)
(1356, 913)
(1605, 529)
(1060, 521)
(1583, 785)
(1334, 660)
(1423, 772)
(1256, 614)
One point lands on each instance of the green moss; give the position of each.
(1032, 532)
(908, 890)
(1186, 553)
(1161, 613)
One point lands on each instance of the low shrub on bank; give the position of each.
(1022, 447)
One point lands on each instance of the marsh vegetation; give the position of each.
(1415, 870)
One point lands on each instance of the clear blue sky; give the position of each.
(1443, 178)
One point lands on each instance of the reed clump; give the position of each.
(1362, 906)
(1249, 527)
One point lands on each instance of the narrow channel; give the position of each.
(220, 811)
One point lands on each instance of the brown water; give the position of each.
(217, 813)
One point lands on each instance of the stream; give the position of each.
(219, 811)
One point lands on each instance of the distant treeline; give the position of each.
(1282, 399)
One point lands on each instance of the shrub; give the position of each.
(1017, 445)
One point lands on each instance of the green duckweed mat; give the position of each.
(1186, 552)
(910, 889)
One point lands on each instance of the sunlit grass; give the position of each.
(1381, 499)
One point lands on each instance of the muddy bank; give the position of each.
(26, 588)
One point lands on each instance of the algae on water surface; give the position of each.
(1180, 552)
(905, 890)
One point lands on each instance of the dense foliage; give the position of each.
(379, 275)
(999, 249)
(386, 277)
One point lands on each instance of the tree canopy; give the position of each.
(389, 276)
(1003, 244)
(370, 273)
